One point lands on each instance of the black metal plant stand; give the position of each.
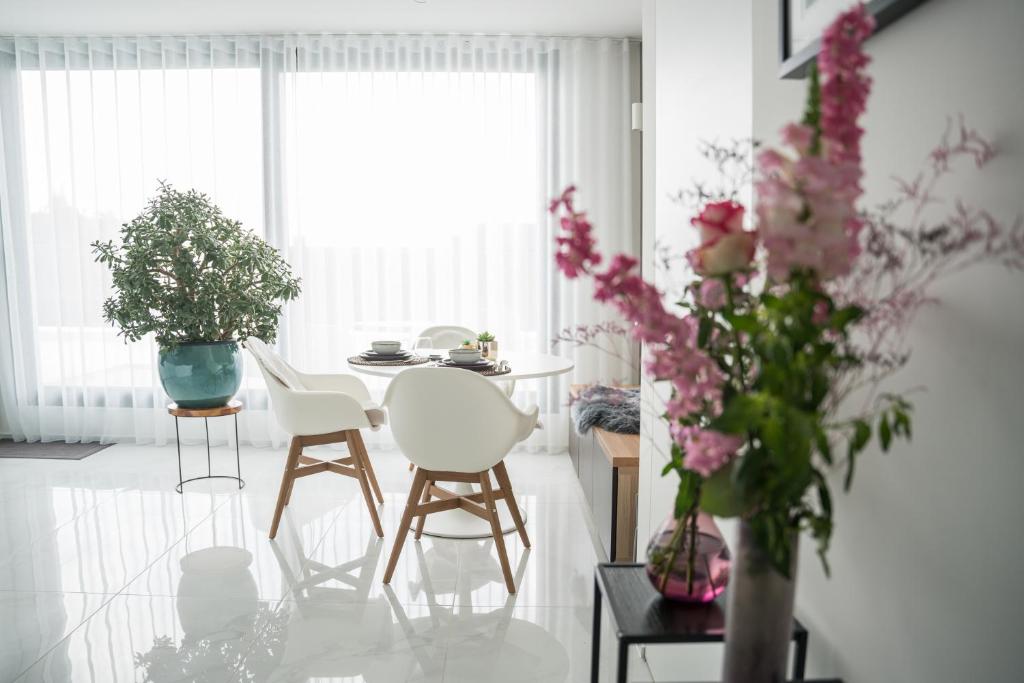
(232, 408)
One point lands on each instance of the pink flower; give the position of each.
(705, 451)
(576, 252)
(711, 294)
(798, 136)
(845, 85)
(806, 204)
(725, 246)
(696, 378)
(564, 199)
(820, 314)
(717, 219)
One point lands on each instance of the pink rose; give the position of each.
(717, 219)
(725, 246)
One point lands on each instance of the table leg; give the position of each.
(595, 635)
(209, 469)
(177, 441)
(800, 658)
(623, 664)
(238, 457)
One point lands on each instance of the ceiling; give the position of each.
(113, 17)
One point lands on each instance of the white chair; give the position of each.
(455, 425)
(448, 336)
(318, 410)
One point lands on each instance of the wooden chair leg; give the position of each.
(426, 499)
(294, 450)
(360, 466)
(291, 487)
(499, 540)
(505, 484)
(403, 528)
(411, 467)
(356, 442)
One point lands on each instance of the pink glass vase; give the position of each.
(668, 561)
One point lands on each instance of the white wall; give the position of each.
(927, 582)
(697, 86)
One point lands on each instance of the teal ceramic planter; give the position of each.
(201, 374)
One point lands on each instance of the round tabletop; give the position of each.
(524, 366)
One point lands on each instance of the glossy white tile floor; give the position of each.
(107, 574)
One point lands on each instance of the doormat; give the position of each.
(55, 450)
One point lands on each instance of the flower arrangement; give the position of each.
(752, 361)
(764, 352)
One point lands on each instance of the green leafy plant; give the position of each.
(485, 337)
(187, 273)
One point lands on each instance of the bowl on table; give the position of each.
(386, 348)
(464, 356)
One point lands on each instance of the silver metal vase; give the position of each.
(759, 614)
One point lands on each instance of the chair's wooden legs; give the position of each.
(411, 467)
(403, 528)
(499, 540)
(359, 459)
(287, 480)
(505, 484)
(291, 487)
(355, 442)
(426, 499)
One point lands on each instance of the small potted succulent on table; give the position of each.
(488, 346)
(201, 283)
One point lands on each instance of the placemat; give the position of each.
(415, 360)
(491, 372)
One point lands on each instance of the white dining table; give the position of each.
(459, 523)
(523, 365)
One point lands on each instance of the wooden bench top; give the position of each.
(622, 450)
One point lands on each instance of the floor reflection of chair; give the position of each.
(337, 631)
(473, 640)
(306, 584)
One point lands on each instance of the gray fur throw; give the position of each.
(610, 408)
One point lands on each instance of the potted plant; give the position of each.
(200, 283)
(488, 345)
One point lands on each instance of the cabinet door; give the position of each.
(588, 451)
(574, 447)
(603, 503)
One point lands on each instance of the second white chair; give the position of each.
(455, 425)
(448, 336)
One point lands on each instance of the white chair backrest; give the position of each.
(448, 336)
(278, 374)
(453, 420)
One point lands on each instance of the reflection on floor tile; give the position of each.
(111, 576)
(35, 622)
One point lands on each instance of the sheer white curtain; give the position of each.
(405, 178)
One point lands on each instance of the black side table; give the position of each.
(232, 408)
(641, 616)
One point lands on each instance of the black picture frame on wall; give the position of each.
(794, 63)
